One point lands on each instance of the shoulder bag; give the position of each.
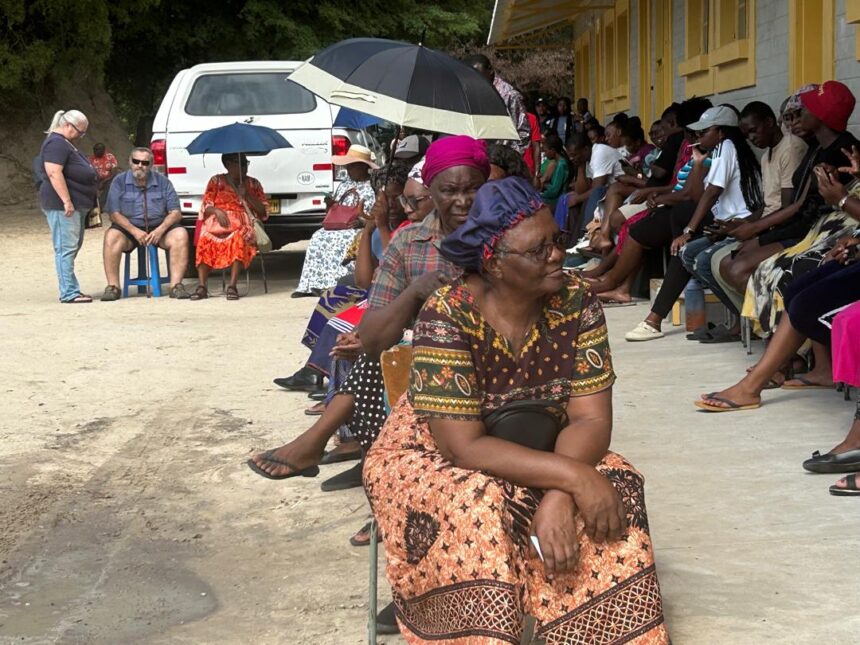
(340, 217)
(532, 423)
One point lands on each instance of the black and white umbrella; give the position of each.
(409, 85)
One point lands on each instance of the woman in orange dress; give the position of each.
(231, 202)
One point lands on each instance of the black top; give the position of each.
(814, 205)
(667, 160)
(81, 178)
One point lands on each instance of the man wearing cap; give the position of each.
(543, 112)
(823, 119)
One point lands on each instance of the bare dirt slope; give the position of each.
(127, 514)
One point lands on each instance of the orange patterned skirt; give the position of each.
(458, 560)
(221, 251)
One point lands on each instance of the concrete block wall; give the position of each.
(772, 43)
(847, 65)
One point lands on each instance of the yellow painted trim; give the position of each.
(694, 65)
(735, 51)
(664, 66)
(644, 61)
(820, 45)
(852, 11)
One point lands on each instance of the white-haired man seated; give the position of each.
(144, 210)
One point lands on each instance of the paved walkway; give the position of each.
(750, 548)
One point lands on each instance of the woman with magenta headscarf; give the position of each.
(411, 269)
(482, 524)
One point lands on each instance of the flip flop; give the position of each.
(732, 406)
(701, 332)
(720, 334)
(364, 531)
(79, 299)
(316, 410)
(807, 385)
(851, 489)
(610, 303)
(310, 471)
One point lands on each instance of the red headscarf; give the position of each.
(455, 151)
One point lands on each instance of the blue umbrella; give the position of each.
(354, 120)
(237, 137)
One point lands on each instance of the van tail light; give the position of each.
(339, 145)
(159, 155)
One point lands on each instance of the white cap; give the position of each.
(720, 115)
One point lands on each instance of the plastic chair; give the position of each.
(142, 281)
(396, 364)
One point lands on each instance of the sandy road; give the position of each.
(127, 514)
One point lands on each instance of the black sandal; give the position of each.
(200, 293)
(232, 292)
(310, 471)
(851, 489)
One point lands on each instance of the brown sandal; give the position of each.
(232, 292)
(200, 293)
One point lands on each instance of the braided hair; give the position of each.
(749, 167)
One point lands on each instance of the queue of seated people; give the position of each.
(762, 208)
(451, 240)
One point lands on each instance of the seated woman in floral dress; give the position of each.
(458, 507)
(324, 259)
(227, 237)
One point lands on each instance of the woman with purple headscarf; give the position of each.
(480, 531)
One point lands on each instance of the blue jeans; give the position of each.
(696, 258)
(67, 235)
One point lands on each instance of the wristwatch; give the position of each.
(688, 231)
(841, 204)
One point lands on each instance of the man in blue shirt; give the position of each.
(144, 210)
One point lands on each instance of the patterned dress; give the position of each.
(457, 540)
(219, 248)
(323, 265)
(763, 302)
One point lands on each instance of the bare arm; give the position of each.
(54, 171)
(365, 263)
(381, 328)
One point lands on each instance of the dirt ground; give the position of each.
(127, 513)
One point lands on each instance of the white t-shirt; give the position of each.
(605, 161)
(726, 173)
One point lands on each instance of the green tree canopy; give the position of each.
(135, 47)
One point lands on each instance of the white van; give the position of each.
(296, 179)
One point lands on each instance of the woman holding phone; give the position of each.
(732, 193)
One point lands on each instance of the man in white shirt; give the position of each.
(602, 167)
(783, 154)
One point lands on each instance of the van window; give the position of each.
(242, 94)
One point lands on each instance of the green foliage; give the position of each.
(43, 42)
(136, 46)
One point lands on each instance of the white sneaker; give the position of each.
(643, 331)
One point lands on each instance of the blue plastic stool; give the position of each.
(142, 280)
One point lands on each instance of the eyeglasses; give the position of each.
(412, 203)
(81, 133)
(542, 252)
(141, 162)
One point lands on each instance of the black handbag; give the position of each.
(531, 423)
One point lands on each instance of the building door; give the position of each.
(662, 80)
(812, 55)
(646, 82)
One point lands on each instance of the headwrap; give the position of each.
(498, 207)
(415, 173)
(455, 151)
(832, 103)
(792, 103)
